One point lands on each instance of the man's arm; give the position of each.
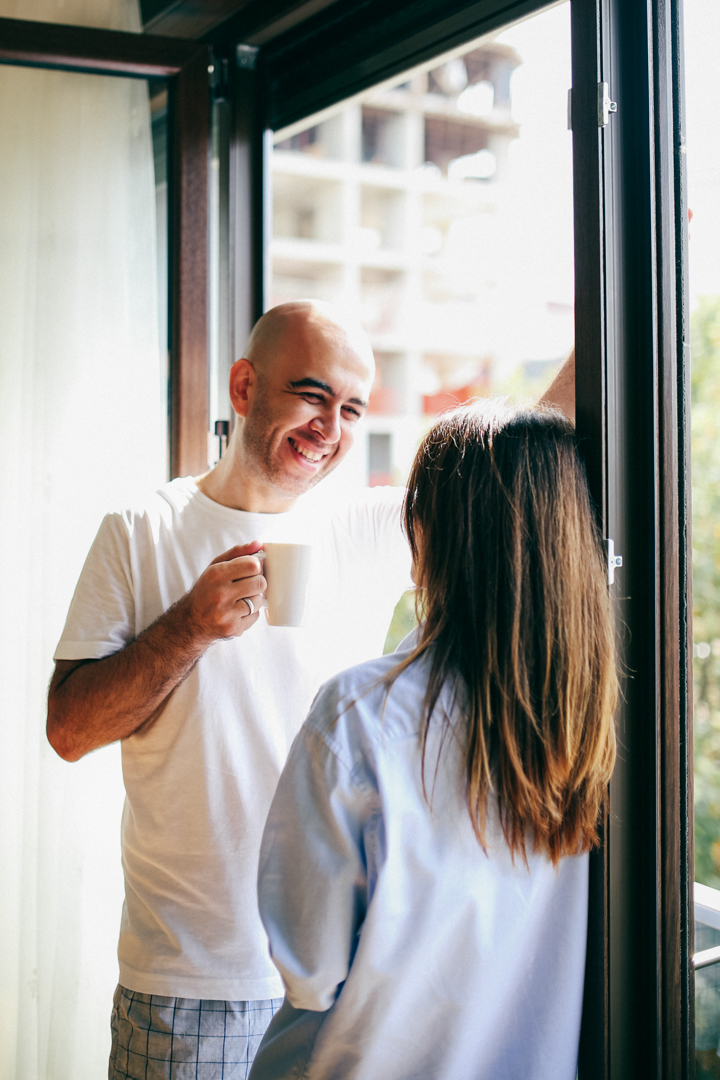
(561, 392)
(95, 702)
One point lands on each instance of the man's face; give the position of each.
(304, 408)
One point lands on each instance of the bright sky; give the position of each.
(542, 176)
(702, 82)
(541, 159)
(536, 208)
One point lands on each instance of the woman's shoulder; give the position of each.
(366, 703)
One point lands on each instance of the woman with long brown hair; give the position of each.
(423, 876)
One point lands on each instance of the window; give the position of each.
(627, 190)
(702, 38)
(90, 367)
(438, 207)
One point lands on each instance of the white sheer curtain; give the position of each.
(81, 430)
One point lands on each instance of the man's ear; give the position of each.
(242, 385)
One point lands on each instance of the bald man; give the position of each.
(165, 648)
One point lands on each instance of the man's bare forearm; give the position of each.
(93, 703)
(561, 392)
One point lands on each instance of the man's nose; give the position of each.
(327, 425)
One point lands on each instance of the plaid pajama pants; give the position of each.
(164, 1038)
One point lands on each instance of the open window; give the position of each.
(438, 207)
(629, 229)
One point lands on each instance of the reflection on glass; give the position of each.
(702, 41)
(438, 209)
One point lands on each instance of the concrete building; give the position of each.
(387, 205)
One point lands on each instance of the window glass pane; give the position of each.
(702, 40)
(437, 208)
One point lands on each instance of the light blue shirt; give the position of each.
(405, 950)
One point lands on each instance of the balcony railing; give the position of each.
(707, 913)
(706, 965)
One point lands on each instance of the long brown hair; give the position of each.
(512, 588)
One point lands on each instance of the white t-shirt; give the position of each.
(200, 779)
(406, 951)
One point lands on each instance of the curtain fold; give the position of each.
(82, 407)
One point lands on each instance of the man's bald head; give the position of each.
(305, 321)
(299, 391)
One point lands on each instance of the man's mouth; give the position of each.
(313, 456)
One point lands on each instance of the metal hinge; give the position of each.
(605, 105)
(569, 110)
(614, 561)
(246, 56)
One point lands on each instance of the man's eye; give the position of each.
(314, 399)
(352, 413)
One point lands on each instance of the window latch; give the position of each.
(219, 80)
(614, 561)
(218, 441)
(605, 105)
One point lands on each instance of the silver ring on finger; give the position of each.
(250, 605)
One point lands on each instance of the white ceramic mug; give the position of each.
(287, 570)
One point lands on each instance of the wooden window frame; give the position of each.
(185, 66)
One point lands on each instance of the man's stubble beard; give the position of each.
(257, 438)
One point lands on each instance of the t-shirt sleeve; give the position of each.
(101, 619)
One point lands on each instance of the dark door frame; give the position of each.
(185, 65)
(650, 833)
(632, 410)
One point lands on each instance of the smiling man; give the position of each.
(300, 391)
(162, 649)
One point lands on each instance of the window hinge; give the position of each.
(605, 105)
(246, 56)
(569, 118)
(614, 561)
